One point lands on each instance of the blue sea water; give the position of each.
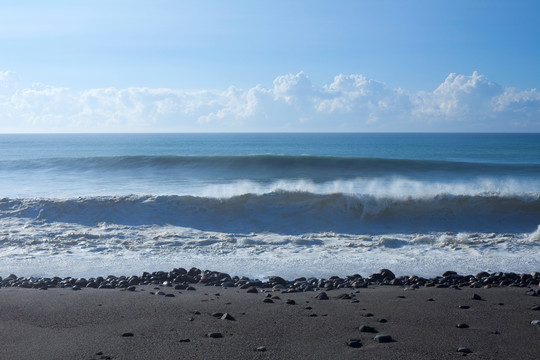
(260, 204)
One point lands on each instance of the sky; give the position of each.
(199, 66)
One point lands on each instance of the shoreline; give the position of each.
(182, 278)
(273, 319)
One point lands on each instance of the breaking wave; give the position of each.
(291, 212)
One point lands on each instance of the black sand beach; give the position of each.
(158, 321)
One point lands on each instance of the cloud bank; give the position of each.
(292, 103)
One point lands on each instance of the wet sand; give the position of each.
(96, 323)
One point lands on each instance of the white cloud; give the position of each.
(292, 103)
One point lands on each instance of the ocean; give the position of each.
(288, 204)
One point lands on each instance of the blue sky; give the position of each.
(269, 66)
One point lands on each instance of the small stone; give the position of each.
(383, 338)
(383, 321)
(355, 343)
(261, 349)
(214, 335)
(184, 340)
(430, 299)
(191, 318)
(368, 315)
(76, 287)
(368, 329)
(268, 301)
(131, 288)
(217, 314)
(308, 308)
(462, 326)
(228, 316)
(252, 290)
(476, 297)
(169, 295)
(536, 307)
(160, 293)
(464, 306)
(322, 296)
(464, 350)
(128, 334)
(291, 302)
(191, 288)
(535, 322)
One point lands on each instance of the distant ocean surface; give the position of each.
(266, 204)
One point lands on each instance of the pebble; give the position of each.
(184, 340)
(127, 334)
(383, 320)
(252, 290)
(268, 301)
(322, 296)
(535, 322)
(476, 297)
(464, 350)
(228, 316)
(536, 307)
(462, 326)
(383, 338)
(217, 314)
(214, 335)
(291, 302)
(355, 343)
(368, 329)
(261, 349)
(464, 306)
(169, 295)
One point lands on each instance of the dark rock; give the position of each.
(387, 274)
(536, 307)
(535, 322)
(214, 335)
(291, 302)
(217, 314)
(382, 338)
(368, 329)
(368, 315)
(252, 290)
(464, 306)
(184, 340)
(464, 350)
(169, 295)
(476, 297)
(322, 296)
(355, 343)
(268, 301)
(261, 349)
(462, 326)
(128, 334)
(383, 321)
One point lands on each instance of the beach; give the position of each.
(165, 320)
(318, 245)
